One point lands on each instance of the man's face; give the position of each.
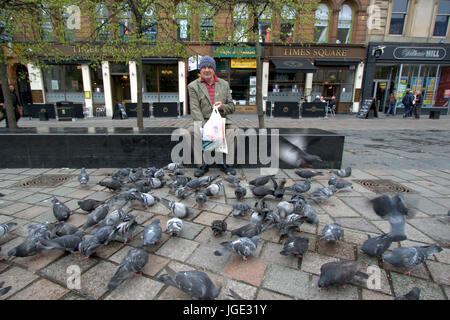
(207, 73)
(11, 87)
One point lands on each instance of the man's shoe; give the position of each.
(227, 169)
(201, 171)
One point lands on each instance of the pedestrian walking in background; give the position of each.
(407, 101)
(418, 105)
(392, 103)
(15, 103)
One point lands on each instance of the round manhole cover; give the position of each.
(384, 186)
(45, 180)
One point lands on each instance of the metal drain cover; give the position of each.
(384, 186)
(45, 180)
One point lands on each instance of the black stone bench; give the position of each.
(433, 112)
(101, 147)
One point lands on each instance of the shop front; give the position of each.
(407, 67)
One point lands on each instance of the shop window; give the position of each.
(160, 78)
(322, 19)
(183, 26)
(441, 24)
(101, 22)
(265, 24)
(240, 23)
(240, 85)
(63, 83)
(46, 29)
(97, 85)
(207, 23)
(150, 25)
(287, 24)
(345, 24)
(125, 22)
(398, 16)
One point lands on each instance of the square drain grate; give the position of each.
(45, 180)
(384, 186)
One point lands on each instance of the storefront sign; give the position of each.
(235, 52)
(410, 53)
(316, 52)
(417, 83)
(402, 88)
(431, 84)
(243, 63)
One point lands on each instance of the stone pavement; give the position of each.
(266, 275)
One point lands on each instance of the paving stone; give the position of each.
(236, 222)
(35, 198)
(94, 282)
(41, 290)
(432, 228)
(101, 195)
(272, 235)
(312, 262)
(374, 295)
(337, 209)
(358, 224)
(155, 265)
(177, 248)
(77, 219)
(206, 218)
(204, 258)
(207, 236)
(73, 296)
(412, 233)
(245, 291)
(285, 280)
(341, 250)
(419, 271)
(313, 292)
(137, 288)
(106, 251)
(46, 257)
(443, 256)
(18, 279)
(250, 271)
(81, 194)
(14, 208)
(271, 254)
(403, 284)
(17, 195)
(269, 295)
(31, 212)
(45, 217)
(439, 271)
(363, 206)
(355, 237)
(222, 209)
(432, 185)
(5, 203)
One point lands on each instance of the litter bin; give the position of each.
(65, 111)
(435, 114)
(43, 115)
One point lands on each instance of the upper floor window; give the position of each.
(183, 28)
(345, 24)
(287, 24)
(150, 25)
(46, 29)
(398, 16)
(125, 22)
(101, 21)
(265, 24)
(441, 24)
(207, 23)
(240, 22)
(322, 20)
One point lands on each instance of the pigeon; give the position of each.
(300, 187)
(114, 185)
(182, 193)
(233, 180)
(375, 247)
(174, 226)
(308, 157)
(65, 229)
(123, 172)
(173, 166)
(6, 227)
(342, 173)
(249, 230)
(196, 284)
(180, 180)
(159, 174)
(294, 220)
(261, 191)
(339, 184)
(155, 183)
(296, 246)
(339, 273)
(201, 199)
(135, 176)
(323, 193)
(213, 189)
(395, 210)
(60, 210)
(244, 246)
(203, 182)
(241, 208)
(218, 227)
(261, 206)
(65, 243)
(124, 230)
(332, 232)
(149, 200)
(89, 246)
(42, 230)
(96, 216)
(112, 218)
(83, 177)
(141, 186)
(410, 257)
(152, 234)
(4, 290)
(89, 204)
(306, 210)
(178, 209)
(307, 174)
(414, 294)
(285, 208)
(260, 181)
(131, 264)
(179, 172)
(298, 198)
(279, 188)
(102, 233)
(240, 193)
(31, 245)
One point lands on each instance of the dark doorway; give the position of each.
(121, 91)
(23, 85)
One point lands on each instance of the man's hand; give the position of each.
(218, 105)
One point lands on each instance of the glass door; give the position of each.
(379, 93)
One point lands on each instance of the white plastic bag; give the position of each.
(214, 128)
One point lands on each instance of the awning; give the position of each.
(293, 65)
(336, 62)
(160, 60)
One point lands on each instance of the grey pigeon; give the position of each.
(293, 221)
(31, 245)
(174, 226)
(124, 230)
(410, 257)
(201, 199)
(155, 183)
(65, 243)
(149, 200)
(394, 209)
(306, 210)
(332, 232)
(159, 174)
(339, 273)
(260, 181)
(178, 181)
(213, 189)
(414, 294)
(96, 216)
(182, 193)
(178, 209)
(131, 264)
(244, 246)
(42, 230)
(89, 204)
(300, 187)
(218, 227)
(6, 227)
(173, 166)
(152, 233)
(241, 208)
(279, 189)
(249, 230)
(60, 210)
(376, 246)
(203, 182)
(114, 185)
(83, 177)
(307, 174)
(115, 216)
(323, 193)
(339, 184)
(150, 172)
(261, 206)
(179, 172)
(295, 246)
(196, 284)
(141, 186)
(345, 173)
(4, 290)
(65, 229)
(285, 208)
(124, 172)
(89, 246)
(102, 233)
(261, 191)
(240, 193)
(136, 175)
(233, 180)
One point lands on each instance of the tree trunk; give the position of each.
(259, 101)
(139, 110)
(5, 89)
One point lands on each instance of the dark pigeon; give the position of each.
(414, 294)
(131, 264)
(203, 182)
(410, 257)
(89, 204)
(218, 227)
(65, 229)
(96, 216)
(114, 185)
(152, 234)
(260, 181)
(66, 243)
(345, 173)
(89, 246)
(240, 193)
(124, 230)
(295, 246)
(376, 246)
(279, 189)
(332, 232)
(60, 210)
(32, 244)
(201, 199)
(182, 193)
(102, 233)
(249, 230)
(339, 184)
(300, 187)
(241, 208)
(339, 273)
(307, 174)
(244, 246)
(233, 180)
(261, 191)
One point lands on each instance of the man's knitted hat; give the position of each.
(207, 61)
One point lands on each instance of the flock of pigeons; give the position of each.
(110, 221)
